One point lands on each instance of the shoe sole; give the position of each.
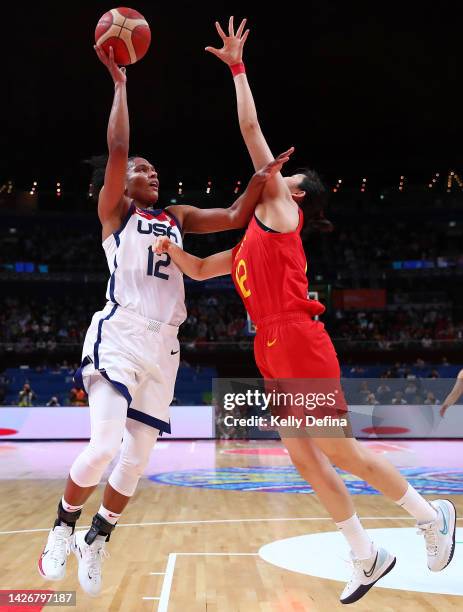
(364, 588)
(452, 550)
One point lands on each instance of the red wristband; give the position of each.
(238, 69)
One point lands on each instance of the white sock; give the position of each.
(417, 506)
(70, 507)
(357, 537)
(109, 515)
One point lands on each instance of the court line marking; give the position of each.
(170, 568)
(167, 583)
(151, 598)
(222, 521)
(157, 573)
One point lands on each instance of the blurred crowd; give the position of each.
(400, 325)
(78, 247)
(28, 325)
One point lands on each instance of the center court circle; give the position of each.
(325, 555)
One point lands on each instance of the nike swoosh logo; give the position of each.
(112, 515)
(44, 553)
(446, 527)
(271, 343)
(174, 352)
(369, 574)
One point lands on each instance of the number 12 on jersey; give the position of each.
(154, 269)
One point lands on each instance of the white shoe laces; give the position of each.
(95, 555)
(61, 543)
(429, 531)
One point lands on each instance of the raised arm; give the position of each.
(112, 203)
(204, 220)
(232, 54)
(454, 394)
(196, 268)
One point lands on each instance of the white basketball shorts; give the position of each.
(138, 356)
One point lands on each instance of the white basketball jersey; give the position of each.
(148, 284)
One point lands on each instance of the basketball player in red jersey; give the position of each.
(268, 268)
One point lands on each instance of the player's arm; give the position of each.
(232, 54)
(111, 199)
(454, 394)
(196, 268)
(204, 220)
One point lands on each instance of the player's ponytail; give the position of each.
(98, 166)
(314, 202)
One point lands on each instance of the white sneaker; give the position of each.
(90, 558)
(52, 561)
(366, 573)
(439, 535)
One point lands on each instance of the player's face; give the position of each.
(142, 181)
(293, 183)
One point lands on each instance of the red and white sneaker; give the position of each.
(52, 561)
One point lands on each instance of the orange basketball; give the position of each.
(127, 32)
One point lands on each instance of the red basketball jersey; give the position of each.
(269, 272)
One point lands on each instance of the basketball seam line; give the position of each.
(122, 26)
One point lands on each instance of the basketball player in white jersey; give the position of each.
(130, 356)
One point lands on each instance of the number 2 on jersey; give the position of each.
(241, 275)
(153, 270)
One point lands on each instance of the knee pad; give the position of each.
(88, 468)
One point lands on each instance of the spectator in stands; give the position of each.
(26, 396)
(78, 397)
(433, 374)
(431, 399)
(398, 398)
(53, 401)
(363, 392)
(4, 381)
(371, 400)
(383, 393)
(410, 391)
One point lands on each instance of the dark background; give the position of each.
(359, 88)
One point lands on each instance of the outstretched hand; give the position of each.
(232, 51)
(443, 410)
(117, 72)
(274, 166)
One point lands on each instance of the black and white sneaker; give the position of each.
(366, 573)
(90, 557)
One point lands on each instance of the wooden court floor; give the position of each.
(184, 549)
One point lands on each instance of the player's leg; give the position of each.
(370, 562)
(436, 519)
(139, 440)
(108, 413)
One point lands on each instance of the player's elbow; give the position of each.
(198, 272)
(249, 126)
